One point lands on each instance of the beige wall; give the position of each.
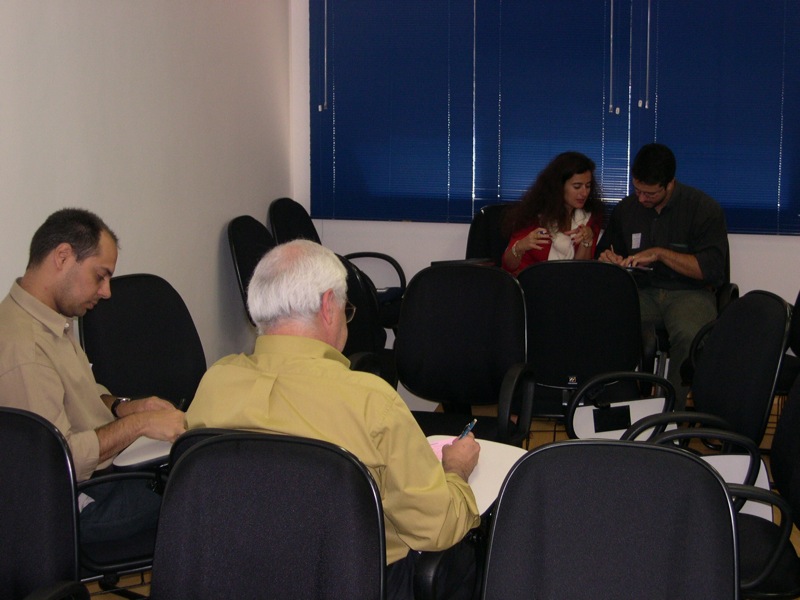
(166, 117)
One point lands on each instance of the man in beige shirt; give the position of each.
(297, 382)
(44, 370)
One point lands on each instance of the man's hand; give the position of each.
(160, 424)
(645, 258)
(461, 456)
(166, 424)
(611, 257)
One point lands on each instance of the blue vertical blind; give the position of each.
(427, 110)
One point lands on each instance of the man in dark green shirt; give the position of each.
(679, 232)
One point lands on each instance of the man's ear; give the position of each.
(328, 307)
(62, 254)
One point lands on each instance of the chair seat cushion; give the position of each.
(758, 538)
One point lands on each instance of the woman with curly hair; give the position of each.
(558, 218)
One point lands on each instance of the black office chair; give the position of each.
(612, 519)
(736, 360)
(269, 516)
(485, 239)
(39, 515)
(767, 560)
(142, 341)
(583, 320)
(249, 240)
(289, 220)
(461, 343)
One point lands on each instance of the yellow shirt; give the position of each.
(44, 370)
(304, 387)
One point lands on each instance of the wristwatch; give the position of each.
(117, 401)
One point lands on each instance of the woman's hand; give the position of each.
(582, 235)
(535, 240)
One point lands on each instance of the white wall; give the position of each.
(166, 117)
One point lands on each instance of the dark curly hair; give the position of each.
(544, 200)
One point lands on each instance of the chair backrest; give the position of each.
(142, 341)
(610, 519)
(190, 439)
(735, 374)
(462, 327)
(269, 516)
(289, 220)
(485, 239)
(38, 506)
(249, 240)
(583, 320)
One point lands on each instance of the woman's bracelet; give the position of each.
(514, 250)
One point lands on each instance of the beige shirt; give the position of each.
(301, 386)
(44, 370)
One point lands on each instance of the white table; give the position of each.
(143, 452)
(494, 463)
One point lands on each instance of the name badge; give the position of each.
(636, 241)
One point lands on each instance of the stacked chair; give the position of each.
(249, 240)
(288, 220)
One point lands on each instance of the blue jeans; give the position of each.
(682, 313)
(120, 509)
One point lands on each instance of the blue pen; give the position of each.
(468, 428)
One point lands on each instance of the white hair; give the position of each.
(289, 281)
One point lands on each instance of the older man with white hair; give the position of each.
(297, 382)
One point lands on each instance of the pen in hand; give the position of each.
(468, 428)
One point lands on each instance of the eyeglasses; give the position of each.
(649, 195)
(349, 312)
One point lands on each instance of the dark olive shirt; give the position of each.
(691, 222)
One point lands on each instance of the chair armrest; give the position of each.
(517, 383)
(62, 590)
(678, 417)
(384, 257)
(152, 476)
(729, 439)
(767, 497)
(591, 388)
